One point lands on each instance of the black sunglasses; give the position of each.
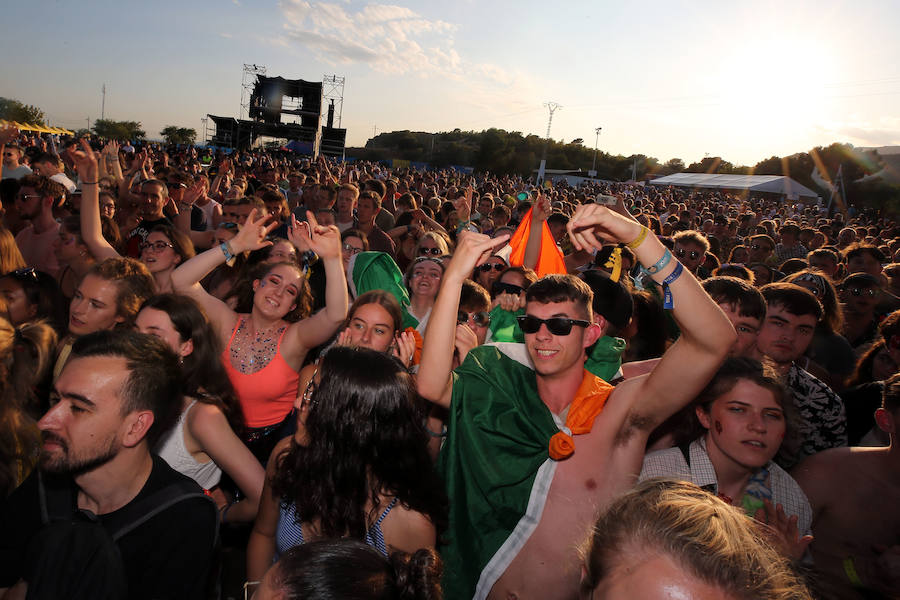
(431, 251)
(175, 184)
(25, 273)
(555, 325)
(482, 319)
(228, 225)
(486, 267)
(681, 253)
(500, 287)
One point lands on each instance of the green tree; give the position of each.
(178, 135)
(13, 110)
(119, 130)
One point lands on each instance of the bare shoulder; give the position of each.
(409, 529)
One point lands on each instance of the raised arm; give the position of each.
(200, 239)
(326, 243)
(433, 380)
(539, 213)
(186, 278)
(91, 232)
(706, 333)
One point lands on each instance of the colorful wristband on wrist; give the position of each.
(226, 250)
(633, 244)
(660, 264)
(668, 304)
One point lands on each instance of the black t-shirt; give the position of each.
(169, 556)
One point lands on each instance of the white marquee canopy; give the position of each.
(770, 184)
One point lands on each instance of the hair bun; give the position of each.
(418, 575)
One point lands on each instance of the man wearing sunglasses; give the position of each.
(35, 201)
(690, 250)
(12, 165)
(534, 442)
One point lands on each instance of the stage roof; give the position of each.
(771, 184)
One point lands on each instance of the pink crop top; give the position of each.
(266, 396)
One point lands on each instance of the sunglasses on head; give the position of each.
(431, 251)
(681, 253)
(555, 325)
(486, 267)
(500, 287)
(856, 291)
(482, 319)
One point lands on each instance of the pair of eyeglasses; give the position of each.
(159, 246)
(681, 253)
(26, 197)
(228, 225)
(486, 267)
(555, 325)
(500, 287)
(352, 250)
(431, 251)
(175, 184)
(871, 292)
(8, 154)
(482, 319)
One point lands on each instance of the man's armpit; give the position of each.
(635, 423)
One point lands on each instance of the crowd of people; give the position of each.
(402, 383)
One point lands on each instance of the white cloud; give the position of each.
(863, 132)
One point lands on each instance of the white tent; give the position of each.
(770, 184)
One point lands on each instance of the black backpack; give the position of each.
(75, 557)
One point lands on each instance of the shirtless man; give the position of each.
(511, 403)
(854, 493)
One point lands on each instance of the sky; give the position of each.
(744, 80)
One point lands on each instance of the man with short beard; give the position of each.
(35, 201)
(12, 163)
(116, 395)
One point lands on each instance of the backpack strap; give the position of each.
(161, 501)
(686, 452)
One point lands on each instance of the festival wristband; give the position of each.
(226, 250)
(660, 264)
(850, 571)
(633, 244)
(667, 293)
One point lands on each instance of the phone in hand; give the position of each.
(606, 200)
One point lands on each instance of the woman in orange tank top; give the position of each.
(265, 349)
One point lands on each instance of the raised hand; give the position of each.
(252, 236)
(463, 205)
(509, 302)
(541, 209)
(85, 161)
(405, 346)
(465, 341)
(324, 241)
(192, 193)
(592, 224)
(343, 338)
(472, 249)
(782, 530)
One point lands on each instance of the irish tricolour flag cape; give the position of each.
(496, 463)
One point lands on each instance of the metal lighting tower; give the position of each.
(593, 172)
(552, 107)
(103, 103)
(248, 80)
(333, 90)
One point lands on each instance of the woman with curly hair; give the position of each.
(358, 468)
(332, 569)
(203, 443)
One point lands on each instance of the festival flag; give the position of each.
(550, 259)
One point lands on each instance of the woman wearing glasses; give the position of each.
(359, 468)
(486, 274)
(163, 249)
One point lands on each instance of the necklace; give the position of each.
(252, 352)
